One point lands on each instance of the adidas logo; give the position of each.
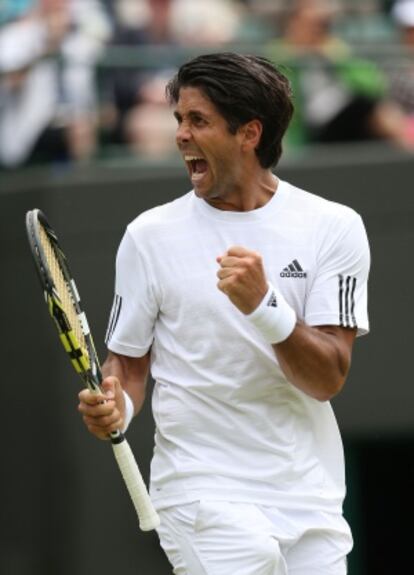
(272, 301)
(293, 270)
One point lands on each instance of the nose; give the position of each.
(183, 133)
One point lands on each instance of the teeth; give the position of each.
(192, 158)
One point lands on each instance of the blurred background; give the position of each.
(86, 135)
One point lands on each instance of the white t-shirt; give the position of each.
(228, 423)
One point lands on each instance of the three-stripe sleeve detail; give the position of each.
(347, 285)
(114, 317)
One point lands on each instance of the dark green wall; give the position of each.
(65, 510)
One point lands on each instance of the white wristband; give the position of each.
(273, 318)
(129, 411)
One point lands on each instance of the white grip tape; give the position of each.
(273, 318)
(148, 517)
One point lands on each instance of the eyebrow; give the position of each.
(191, 113)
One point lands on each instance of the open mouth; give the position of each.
(197, 167)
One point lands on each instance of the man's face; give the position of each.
(210, 151)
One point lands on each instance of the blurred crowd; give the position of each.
(83, 78)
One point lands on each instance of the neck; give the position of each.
(251, 195)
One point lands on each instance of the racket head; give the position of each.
(62, 298)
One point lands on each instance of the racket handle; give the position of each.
(147, 516)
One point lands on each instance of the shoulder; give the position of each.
(329, 227)
(320, 210)
(161, 217)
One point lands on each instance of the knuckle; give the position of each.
(239, 275)
(221, 287)
(254, 259)
(106, 420)
(91, 429)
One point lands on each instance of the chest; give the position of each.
(188, 280)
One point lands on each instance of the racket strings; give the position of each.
(63, 288)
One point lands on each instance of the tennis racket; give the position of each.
(63, 302)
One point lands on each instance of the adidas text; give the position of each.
(286, 274)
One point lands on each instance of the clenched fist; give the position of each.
(242, 278)
(104, 412)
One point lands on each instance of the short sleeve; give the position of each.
(338, 294)
(134, 310)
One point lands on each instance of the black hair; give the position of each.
(242, 88)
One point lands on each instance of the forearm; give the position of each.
(132, 374)
(316, 360)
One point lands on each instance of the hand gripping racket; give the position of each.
(62, 299)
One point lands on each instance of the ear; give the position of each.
(252, 132)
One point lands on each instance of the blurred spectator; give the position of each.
(402, 75)
(134, 90)
(206, 22)
(338, 97)
(47, 92)
(149, 125)
(140, 117)
(365, 22)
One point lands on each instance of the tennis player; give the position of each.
(243, 298)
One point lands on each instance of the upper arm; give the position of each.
(338, 294)
(131, 324)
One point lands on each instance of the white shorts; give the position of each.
(229, 538)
